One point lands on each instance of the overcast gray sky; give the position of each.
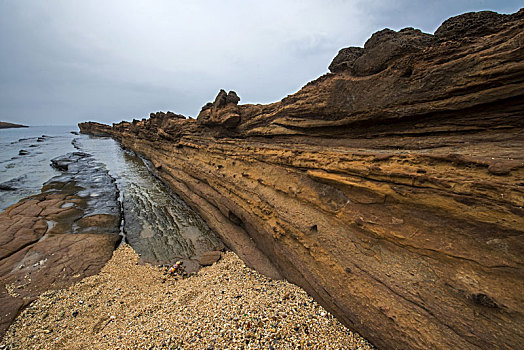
(62, 62)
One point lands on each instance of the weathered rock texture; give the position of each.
(391, 190)
(53, 239)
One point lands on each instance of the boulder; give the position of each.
(345, 58)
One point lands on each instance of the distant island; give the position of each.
(6, 125)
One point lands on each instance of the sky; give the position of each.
(63, 61)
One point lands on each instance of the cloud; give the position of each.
(64, 62)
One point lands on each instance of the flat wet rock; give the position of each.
(24, 162)
(71, 228)
(59, 236)
(156, 223)
(94, 186)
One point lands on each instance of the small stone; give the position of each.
(209, 258)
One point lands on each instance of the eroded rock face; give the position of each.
(473, 24)
(345, 59)
(391, 191)
(223, 112)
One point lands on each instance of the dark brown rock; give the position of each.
(53, 263)
(34, 258)
(98, 129)
(232, 98)
(383, 48)
(386, 46)
(345, 59)
(222, 112)
(473, 24)
(6, 125)
(395, 199)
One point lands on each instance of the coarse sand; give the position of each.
(129, 305)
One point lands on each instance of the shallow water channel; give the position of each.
(156, 222)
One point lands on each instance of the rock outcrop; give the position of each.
(391, 189)
(223, 112)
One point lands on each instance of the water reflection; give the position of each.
(157, 224)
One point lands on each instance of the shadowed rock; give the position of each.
(474, 24)
(345, 59)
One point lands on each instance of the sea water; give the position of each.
(157, 223)
(25, 174)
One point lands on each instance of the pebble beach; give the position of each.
(130, 305)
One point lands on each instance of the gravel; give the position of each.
(129, 305)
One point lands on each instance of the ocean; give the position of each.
(157, 223)
(25, 174)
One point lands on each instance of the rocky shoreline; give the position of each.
(57, 239)
(68, 231)
(54, 239)
(389, 189)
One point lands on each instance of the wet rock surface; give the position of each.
(392, 194)
(53, 239)
(95, 186)
(156, 223)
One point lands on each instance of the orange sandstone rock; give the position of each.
(391, 190)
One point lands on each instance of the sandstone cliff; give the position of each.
(390, 189)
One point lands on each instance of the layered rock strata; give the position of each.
(53, 239)
(390, 189)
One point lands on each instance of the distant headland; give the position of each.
(6, 125)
